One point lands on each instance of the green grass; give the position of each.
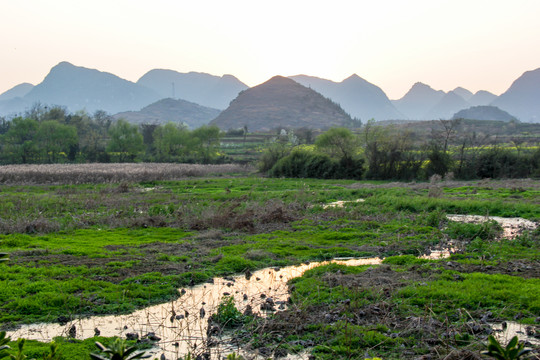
(503, 295)
(110, 249)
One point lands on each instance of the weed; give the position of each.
(118, 351)
(227, 315)
(513, 350)
(4, 345)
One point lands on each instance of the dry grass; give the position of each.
(110, 173)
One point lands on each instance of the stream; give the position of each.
(179, 327)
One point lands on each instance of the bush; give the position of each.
(308, 164)
(304, 164)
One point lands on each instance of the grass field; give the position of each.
(109, 248)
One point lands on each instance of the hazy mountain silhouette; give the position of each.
(417, 102)
(171, 110)
(483, 113)
(447, 106)
(523, 97)
(464, 93)
(358, 97)
(201, 88)
(16, 91)
(481, 98)
(281, 102)
(13, 107)
(80, 88)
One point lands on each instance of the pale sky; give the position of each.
(477, 44)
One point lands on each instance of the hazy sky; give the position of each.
(477, 44)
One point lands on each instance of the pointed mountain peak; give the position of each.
(63, 65)
(353, 78)
(464, 93)
(229, 77)
(279, 80)
(421, 85)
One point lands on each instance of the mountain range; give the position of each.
(203, 89)
(422, 102)
(79, 88)
(360, 98)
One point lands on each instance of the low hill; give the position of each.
(171, 110)
(484, 113)
(281, 103)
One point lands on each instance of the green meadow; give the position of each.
(95, 249)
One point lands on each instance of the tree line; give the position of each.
(53, 135)
(378, 152)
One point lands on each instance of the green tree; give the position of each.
(207, 142)
(440, 161)
(4, 125)
(172, 142)
(342, 145)
(339, 143)
(54, 139)
(20, 143)
(389, 153)
(125, 141)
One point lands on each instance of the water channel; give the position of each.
(180, 325)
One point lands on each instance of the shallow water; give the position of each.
(512, 227)
(181, 324)
(513, 329)
(341, 203)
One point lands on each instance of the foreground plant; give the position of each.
(4, 344)
(4, 257)
(513, 351)
(20, 347)
(118, 351)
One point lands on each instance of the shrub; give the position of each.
(307, 164)
(304, 164)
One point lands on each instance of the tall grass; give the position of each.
(110, 173)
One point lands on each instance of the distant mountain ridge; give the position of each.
(522, 99)
(17, 91)
(201, 88)
(450, 103)
(171, 110)
(422, 102)
(79, 88)
(417, 102)
(358, 97)
(281, 102)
